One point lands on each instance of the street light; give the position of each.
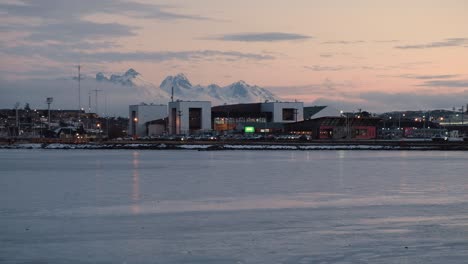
(399, 121)
(133, 127)
(99, 129)
(107, 127)
(346, 124)
(399, 125)
(49, 100)
(179, 114)
(17, 120)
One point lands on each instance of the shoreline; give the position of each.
(257, 145)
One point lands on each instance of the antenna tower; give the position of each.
(79, 88)
(89, 101)
(96, 98)
(172, 94)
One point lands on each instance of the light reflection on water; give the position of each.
(344, 164)
(249, 179)
(136, 184)
(234, 206)
(305, 200)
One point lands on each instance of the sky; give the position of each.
(367, 54)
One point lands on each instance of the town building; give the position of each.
(262, 117)
(157, 127)
(140, 114)
(189, 117)
(284, 112)
(337, 127)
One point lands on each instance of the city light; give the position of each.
(249, 129)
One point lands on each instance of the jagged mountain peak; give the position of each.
(180, 77)
(178, 82)
(126, 79)
(100, 77)
(241, 83)
(131, 73)
(238, 92)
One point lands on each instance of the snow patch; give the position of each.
(194, 146)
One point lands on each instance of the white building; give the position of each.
(142, 113)
(284, 112)
(189, 117)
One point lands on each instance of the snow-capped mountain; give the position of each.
(132, 81)
(180, 83)
(111, 94)
(239, 92)
(126, 79)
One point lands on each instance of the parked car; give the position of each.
(439, 138)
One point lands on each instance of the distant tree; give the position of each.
(365, 114)
(80, 130)
(116, 131)
(26, 107)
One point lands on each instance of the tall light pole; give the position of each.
(346, 124)
(107, 127)
(134, 128)
(399, 123)
(96, 99)
(16, 111)
(179, 114)
(79, 90)
(89, 101)
(99, 130)
(462, 114)
(17, 117)
(49, 100)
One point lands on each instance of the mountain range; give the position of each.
(238, 92)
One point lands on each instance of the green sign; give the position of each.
(249, 129)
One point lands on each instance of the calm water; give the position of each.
(59, 206)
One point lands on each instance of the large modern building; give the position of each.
(189, 117)
(284, 112)
(140, 114)
(263, 117)
(195, 117)
(337, 127)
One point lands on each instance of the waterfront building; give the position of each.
(140, 114)
(262, 117)
(189, 117)
(336, 127)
